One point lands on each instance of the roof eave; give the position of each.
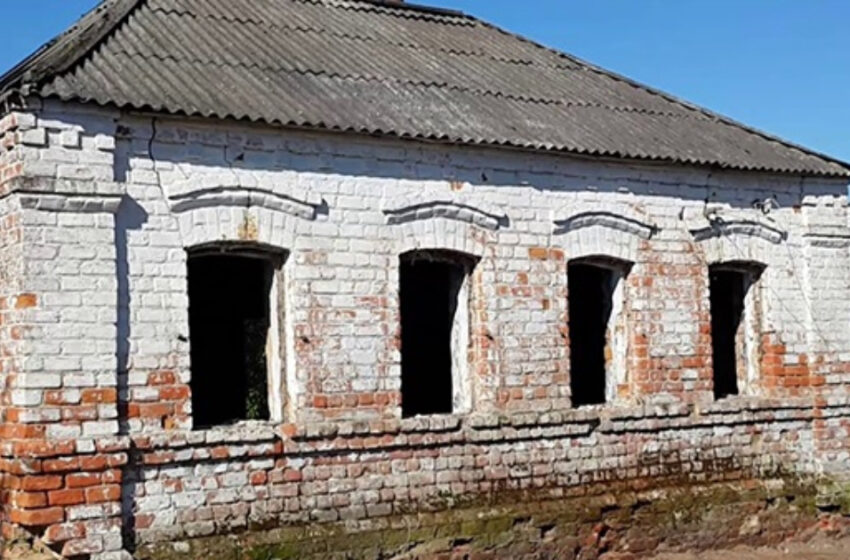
(675, 99)
(836, 175)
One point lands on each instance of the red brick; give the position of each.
(66, 497)
(176, 393)
(112, 476)
(18, 431)
(291, 475)
(94, 463)
(64, 532)
(29, 500)
(25, 301)
(20, 466)
(162, 378)
(155, 410)
(61, 465)
(43, 448)
(111, 493)
(220, 452)
(37, 517)
(159, 458)
(538, 253)
(99, 396)
(41, 482)
(81, 480)
(144, 520)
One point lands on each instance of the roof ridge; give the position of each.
(727, 121)
(396, 5)
(332, 33)
(68, 48)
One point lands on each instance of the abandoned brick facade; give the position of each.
(697, 311)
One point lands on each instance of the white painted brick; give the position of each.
(69, 138)
(25, 121)
(100, 428)
(26, 397)
(39, 381)
(34, 137)
(63, 431)
(104, 142)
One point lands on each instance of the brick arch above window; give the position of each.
(736, 246)
(616, 233)
(724, 234)
(307, 206)
(459, 209)
(218, 224)
(442, 234)
(599, 242)
(229, 210)
(623, 220)
(745, 227)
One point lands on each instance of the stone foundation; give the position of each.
(611, 521)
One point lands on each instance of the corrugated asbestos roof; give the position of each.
(382, 68)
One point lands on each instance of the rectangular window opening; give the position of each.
(434, 334)
(592, 305)
(232, 346)
(728, 294)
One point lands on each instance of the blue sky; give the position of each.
(780, 65)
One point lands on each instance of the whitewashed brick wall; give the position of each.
(338, 204)
(109, 202)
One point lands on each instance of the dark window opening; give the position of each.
(728, 290)
(591, 290)
(229, 322)
(430, 290)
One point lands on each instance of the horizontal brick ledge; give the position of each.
(443, 430)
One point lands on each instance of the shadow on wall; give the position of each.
(130, 216)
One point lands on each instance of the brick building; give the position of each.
(362, 277)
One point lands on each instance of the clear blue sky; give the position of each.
(780, 65)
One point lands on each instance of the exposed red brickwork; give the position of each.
(783, 373)
(63, 497)
(532, 293)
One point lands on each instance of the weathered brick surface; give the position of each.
(622, 524)
(96, 407)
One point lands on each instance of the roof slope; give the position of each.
(381, 68)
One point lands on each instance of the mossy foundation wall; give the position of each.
(582, 483)
(612, 521)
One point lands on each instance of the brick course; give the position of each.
(98, 451)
